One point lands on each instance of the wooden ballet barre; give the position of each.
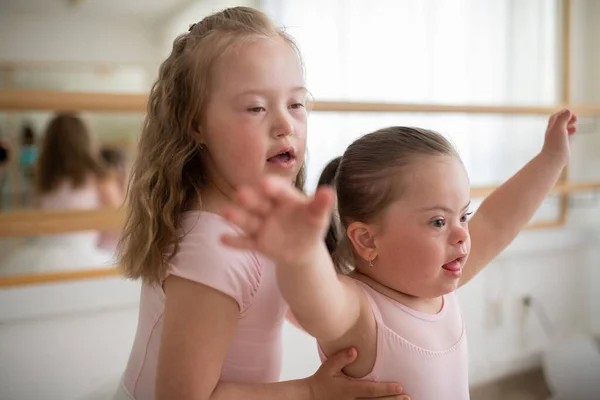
(364, 107)
(10, 281)
(36, 223)
(560, 188)
(58, 276)
(55, 100)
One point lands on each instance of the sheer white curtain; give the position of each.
(429, 51)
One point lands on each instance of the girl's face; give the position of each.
(256, 115)
(423, 239)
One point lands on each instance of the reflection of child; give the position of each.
(29, 151)
(68, 176)
(115, 161)
(27, 158)
(4, 161)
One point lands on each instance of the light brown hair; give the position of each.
(67, 153)
(169, 173)
(366, 180)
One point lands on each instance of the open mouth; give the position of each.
(454, 265)
(283, 157)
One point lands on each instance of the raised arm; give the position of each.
(287, 227)
(504, 213)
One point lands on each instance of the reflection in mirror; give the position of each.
(61, 162)
(75, 77)
(43, 151)
(73, 251)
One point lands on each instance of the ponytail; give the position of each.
(334, 234)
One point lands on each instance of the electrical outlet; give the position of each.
(493, 314)
(524, 309)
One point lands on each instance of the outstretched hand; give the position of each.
(561, 125)
(279, 221)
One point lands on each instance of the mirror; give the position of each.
(113, 135)
(47, 220)
(75, 77)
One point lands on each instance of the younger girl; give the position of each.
(228, 108)
(403, 201)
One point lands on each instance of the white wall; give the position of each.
(586, 48)
(73, 37)
(181, 22)
(559, 268)
(67, 341)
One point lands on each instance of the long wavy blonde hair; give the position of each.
(168, 175)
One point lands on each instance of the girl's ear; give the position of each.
(362, 238)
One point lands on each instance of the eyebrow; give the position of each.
(445, 209)
(262, 92)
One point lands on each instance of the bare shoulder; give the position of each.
(362, 336)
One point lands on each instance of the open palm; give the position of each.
(279, 221)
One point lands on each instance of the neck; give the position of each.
(215, 195)
(421, 304)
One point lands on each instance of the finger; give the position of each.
(334, 364)
(238, 242)
(254, 201)
(322, 203)
(246, 221)
(563, 118)
(553, 117)
(367, 390)
(573, 119)
(571, 129)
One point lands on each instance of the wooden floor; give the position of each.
(527, 386)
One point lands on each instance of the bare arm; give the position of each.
(198, 327)
(324, 305)
(291, 318)
(290, 390)
(504, 213)
(110, 194)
